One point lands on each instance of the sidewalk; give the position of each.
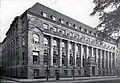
(61, 79)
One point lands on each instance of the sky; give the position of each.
(77, 9)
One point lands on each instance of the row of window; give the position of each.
(36, 72)
(36, 39)
(44, 14)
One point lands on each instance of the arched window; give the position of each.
(45, 41)
(35, 38)
(63, 45)
(54, 42)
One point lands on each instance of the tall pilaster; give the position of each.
(60, 52)
(87, 52)
(104, 58)
(96, 56)
(51, 51)
(68, 53)
(82, 54)
(75, 53)
(92, 52)
(108, 60)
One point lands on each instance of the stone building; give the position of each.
(42, 42)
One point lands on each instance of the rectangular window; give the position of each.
(65, 72)
(61, 20)
(69, 24)
(36, 53)
(45, 26)
(45, 58)
(23, 56)
(54, 29)
(35, 57)
(75, 26)
(36, 72)
(79, 72)
(44, 14)
(23, 41)
(53, 18)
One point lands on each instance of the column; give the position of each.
(96, 61)
(104, 58)
(51, 51)
(87, 52)
(96, 56)
(104, 62)
(75, 53)
(82, 54)
(92, 52)
(114, 60)
(108, 63)
(113, 64)
(110, 60)
(101, 62)
(68, 53)
(81, 59)
(60, 52)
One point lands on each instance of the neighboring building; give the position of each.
(0, 54)
(42, 37)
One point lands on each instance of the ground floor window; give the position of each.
(36, 72)
(65, 72)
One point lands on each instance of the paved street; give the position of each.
(66, 80)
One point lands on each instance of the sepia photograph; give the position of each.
(59, 41)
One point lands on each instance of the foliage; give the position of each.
(109, 21)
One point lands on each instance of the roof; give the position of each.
(38, 8)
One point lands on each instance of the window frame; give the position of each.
(45, 26)
(35, 39)
(44, 14)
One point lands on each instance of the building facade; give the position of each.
(43, 42)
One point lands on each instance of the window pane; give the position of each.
(45, 26)
(35, 53)
(44, 14)
(35, 38)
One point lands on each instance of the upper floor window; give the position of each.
(77, 48)
(94, 34)
(85, 30)
(76, 35)
(75, 26)
(45, 41)
(35, 38)
(23, 41)
(53, 18)
(63, 45)
(44, 14)
(90, 32)
(61, 20)
(62, 31)
(69, 24)
(35, 57)
(54, 29)
(45, 26)
(36, 53)
(69, 34)
(80, 28)
(54, 43)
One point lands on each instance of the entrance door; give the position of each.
(93, 71)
